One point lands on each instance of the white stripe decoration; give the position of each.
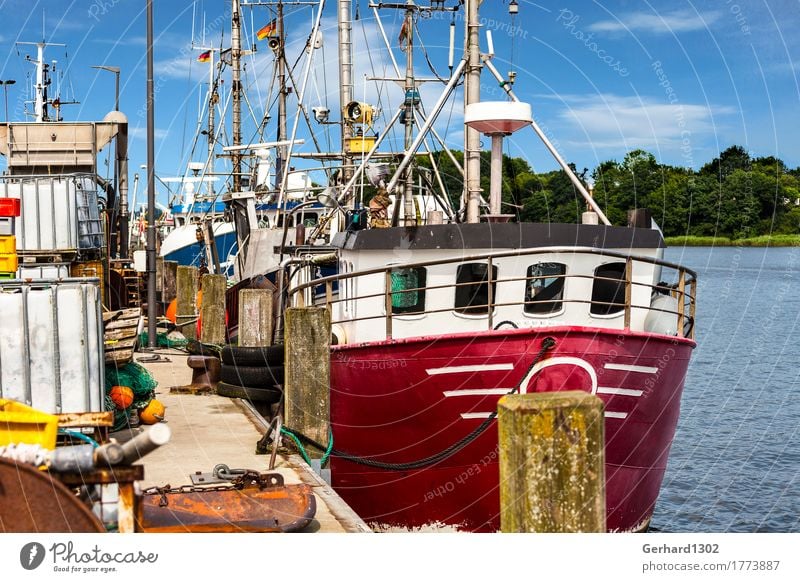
(477, 392)
(619, 391)
(469, 415)
(476, 368)
(616, 415)
(627, 368)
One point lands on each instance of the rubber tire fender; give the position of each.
(268, 395)
(263, 357)
(252, 376)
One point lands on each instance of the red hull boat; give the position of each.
(405, 400)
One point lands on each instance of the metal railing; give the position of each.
(683, 289)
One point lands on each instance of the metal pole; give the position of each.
(280, 158)
(345, 82)
(116, 90)
(236, 55)
(410, 89)
(151, 188)
(472, 94)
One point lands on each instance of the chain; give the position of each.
(244, 478)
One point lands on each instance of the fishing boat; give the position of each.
(434, 320)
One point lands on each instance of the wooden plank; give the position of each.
(552, 463)
(169, 291)
(85, 419)
(186, 311)
(118, 334)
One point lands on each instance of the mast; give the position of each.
(236, 65)
(346, 83)
(212, 103)
(410, 96)
(280, 158)
(472, 94)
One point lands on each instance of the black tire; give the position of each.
(252, 376)
(261, 357)
(268, 395)
(197, 348)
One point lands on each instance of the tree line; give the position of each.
(734, 195)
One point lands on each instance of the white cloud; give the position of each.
(612, 121)
(664, 23)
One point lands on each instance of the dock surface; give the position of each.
(208, 430)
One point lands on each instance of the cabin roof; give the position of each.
(499, 236)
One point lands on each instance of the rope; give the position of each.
(547, 344)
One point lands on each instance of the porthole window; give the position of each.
(408, 290)
(472, 288)
(544, 288)
(608, 290)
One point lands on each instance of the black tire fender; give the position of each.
(266, 356)
(268, 395)
(252, 376)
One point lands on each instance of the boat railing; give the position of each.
(683, 289)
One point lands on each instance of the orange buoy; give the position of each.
(121, 396)
(152, 413)
(172, 311)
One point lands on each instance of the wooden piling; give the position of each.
(213, 309)
(170, 281)
(552, 463)
(186, 308)
(307, 375)
(255, 317)
(160, 277)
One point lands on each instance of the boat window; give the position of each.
(308, 219)
(472, 288)
(608, 291)
(281, 218)
(544, 289)
(408, 290)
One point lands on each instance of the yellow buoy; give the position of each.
(152, 413)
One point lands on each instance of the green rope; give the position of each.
(297, 442)
(328, 450)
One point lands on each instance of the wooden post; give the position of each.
(307, 371)
(170, 281)
(213, 309)
(186, 309)
(552, 463)
(255, 317)
(160, 277)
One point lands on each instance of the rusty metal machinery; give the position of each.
(33, 501)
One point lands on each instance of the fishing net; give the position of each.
(163, 340)
(138, 379)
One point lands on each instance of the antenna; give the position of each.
(490, 42)
(452, 44)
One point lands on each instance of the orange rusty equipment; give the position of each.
(252, 503)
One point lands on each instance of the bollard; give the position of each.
(186, 309)
(255, 317)
(169, 291)
(307, 375)
(212, 310)
(552, 463)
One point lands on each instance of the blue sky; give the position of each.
(681, 79)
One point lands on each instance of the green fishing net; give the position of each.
(138, 379)
(163, 340)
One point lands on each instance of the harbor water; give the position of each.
(735, 460)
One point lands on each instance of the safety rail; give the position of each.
(320, 291)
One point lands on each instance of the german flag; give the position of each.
(205, 57)
(270, 29)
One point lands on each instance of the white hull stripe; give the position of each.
(469, 415)
(619, 391)
(627, 368)
(459, 369)
(477, 392)
(616, 415)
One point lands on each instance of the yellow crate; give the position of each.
(23, 424)
(8, 245)
(361, 144)
(8, 263)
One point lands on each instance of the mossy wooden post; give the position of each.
(186, 308)
(255, 317)
(213, 309)
(307, 380)
(170, 281)
(160, 278)
(552, 463)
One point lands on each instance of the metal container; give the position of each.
(58, 213)
(43, 271)
(51, 345)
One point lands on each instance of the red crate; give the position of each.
(9, 206)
